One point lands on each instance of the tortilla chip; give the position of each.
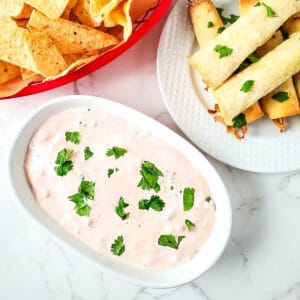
(82, 12)
(100, 9)
(68, 9)
(34, 51)
(51, 8)
(11, 8)
(8, 71)
(27, 74)
(71, 37)
(121, 16)
(24, 13)
(22, 23)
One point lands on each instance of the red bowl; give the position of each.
(141, 28)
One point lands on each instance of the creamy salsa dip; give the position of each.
(121, 190)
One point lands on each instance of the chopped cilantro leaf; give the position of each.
(188, 198)
(239, 121)
(117, 152)
(87, 187)
(119, 209)
(169, 240)
(223, 50)
(270, 12)
(63, 164)
(210, 24)
(150, 175)
(85, 191)
(226, 20)
(118, 247)
(281, 96)
(111, 171)
(63, 170)
(247, 86)
(73, 137)
(220, 29)
(189, 224)
(87, 153)
(154, 202)
(207, 199)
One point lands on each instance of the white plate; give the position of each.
(201, 262)
(263, 150)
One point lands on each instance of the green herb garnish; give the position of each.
(64, 166)
(210, 24)
(189, 224)
(220, 29)
(150, 175)
(85, 192)
(188, 198)
(223, 50)
(281, 96)
(154, 202)
(73, 137)
(169, 240)
(270, 12)
(87, 153)
(111, 171)
(226, 20)
(119, 209)
(207, 199)
(239, 121)
(118, 247)
(247, 86)
(117, 152)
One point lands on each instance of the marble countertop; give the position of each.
(261, 261)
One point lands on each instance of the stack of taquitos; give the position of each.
(227, 51)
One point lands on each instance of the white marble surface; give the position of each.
(262, 260)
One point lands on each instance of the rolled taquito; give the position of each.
(245, 88)
(218, 60)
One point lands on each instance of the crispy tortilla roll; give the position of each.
(206, 21)
(273, 108)
(51, 8)
(71, 37)
(282, 102)
(8, 71)
(237, 94)
(292, 25)
(202, 12)
(34, 51)
(229, 49)
(68, 9)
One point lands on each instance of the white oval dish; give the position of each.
(163, 278)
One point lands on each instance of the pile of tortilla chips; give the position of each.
(42, 40)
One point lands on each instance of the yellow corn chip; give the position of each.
(51, 8)
(67, 11)
(8, 71)
(121, 16)
(34, 51)
(100, 9)
(22, 23)
(82, 12)
(11, 8)
(71, 37)
(27, 74)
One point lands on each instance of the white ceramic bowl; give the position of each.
(171, 277)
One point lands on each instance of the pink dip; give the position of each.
(100, 131)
